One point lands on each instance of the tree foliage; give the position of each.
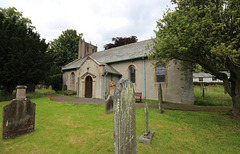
(23, 56)
(205, 33)
(63, 51)
(119, 41)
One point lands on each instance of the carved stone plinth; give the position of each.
(146, 139)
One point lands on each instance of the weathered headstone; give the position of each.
(18, 115)
(109, 104)
(109, 101)
(147, 136)
(124, 118)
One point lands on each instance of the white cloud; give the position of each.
(98, 20)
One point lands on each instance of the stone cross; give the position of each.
(124, 118)
(146, 120)
(160, 98)
(147, 136)
(21, 92)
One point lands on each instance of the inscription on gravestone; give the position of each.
(124, 118)
(18, 115)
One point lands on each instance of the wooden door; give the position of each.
(88, 87)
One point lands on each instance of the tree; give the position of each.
(23, 56)
(63, 51)
(205, 33)
(119, 41)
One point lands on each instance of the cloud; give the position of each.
(99, 21)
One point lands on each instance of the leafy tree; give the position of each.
(23, 56)
(63, 51)
(119, 41)
(205, 33)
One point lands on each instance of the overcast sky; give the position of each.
(98, 20)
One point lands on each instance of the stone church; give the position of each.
(91, 74)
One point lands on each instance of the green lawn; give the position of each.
(85, 128)
(213, 96)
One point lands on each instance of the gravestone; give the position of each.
(147, 136)
(160, 99)
(124, 118)
(109, 101)
(18, 115)
(109, 105)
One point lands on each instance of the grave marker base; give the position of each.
(146, 139)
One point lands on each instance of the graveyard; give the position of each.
(64, 127)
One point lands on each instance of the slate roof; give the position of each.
(125, 52)
(208, 75)
(203, 75)
(117, 54)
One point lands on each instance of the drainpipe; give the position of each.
(144, 78)
(105, 86)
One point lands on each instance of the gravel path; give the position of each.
(58, 98)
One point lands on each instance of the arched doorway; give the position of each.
(88, 87)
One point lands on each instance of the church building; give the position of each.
(90, 75)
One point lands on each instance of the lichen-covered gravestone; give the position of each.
(124, 118)
(18, 115)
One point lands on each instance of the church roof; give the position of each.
(122, 53)
(117, 54)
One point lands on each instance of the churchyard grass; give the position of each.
(214, 96)
(63, 127)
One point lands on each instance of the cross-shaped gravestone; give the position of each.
(147, 136)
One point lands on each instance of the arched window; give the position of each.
(132, 73)
(72, 78)
(160, 73)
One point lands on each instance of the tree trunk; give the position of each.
(235, 85)
(236, 105)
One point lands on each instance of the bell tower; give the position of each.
(85, 49)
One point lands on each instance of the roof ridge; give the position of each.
(72, 62)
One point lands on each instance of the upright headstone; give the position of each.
(124, 118)
(147, 136)
(109, 101)
(109, 105)
(160, 99)
(18, 115)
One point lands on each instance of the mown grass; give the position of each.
(213, 96)
(85, 128)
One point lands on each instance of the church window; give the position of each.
(132, 73)
(160, 72)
